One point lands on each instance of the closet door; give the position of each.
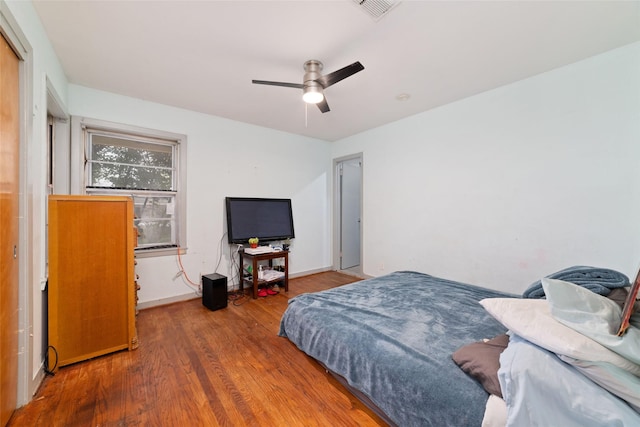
(9, 178)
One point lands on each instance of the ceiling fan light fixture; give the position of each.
(314, 83)
(312, 94)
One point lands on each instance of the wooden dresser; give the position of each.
(91, 285)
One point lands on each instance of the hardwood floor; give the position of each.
(196, 367)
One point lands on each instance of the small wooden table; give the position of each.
(254, 281)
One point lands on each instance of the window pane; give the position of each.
(155, 220)
(108, 175)
(129, 163)
(110, 149)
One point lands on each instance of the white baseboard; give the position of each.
(353, 273)
(165, 301)
(309, 272)
(192, 295)
(34, 386)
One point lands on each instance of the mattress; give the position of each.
(392, 337)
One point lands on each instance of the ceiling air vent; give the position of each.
(376, 8)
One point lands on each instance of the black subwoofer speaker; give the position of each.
(214, 291)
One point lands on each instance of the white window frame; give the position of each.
(80, 128)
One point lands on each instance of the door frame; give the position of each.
(337, 207)
(29, 375)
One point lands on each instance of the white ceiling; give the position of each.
(202, 55)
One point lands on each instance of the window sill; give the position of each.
(150, 253)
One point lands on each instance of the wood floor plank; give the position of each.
(196, 367)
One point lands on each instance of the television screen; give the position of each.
(266, 219)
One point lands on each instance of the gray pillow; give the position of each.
(618, 295)
(481, 361)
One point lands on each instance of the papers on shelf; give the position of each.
(269, 275)
(259, 250)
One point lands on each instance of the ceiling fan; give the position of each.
(314, 83)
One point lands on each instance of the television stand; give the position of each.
(254, 282)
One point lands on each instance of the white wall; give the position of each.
(513, 184)
(225, 158)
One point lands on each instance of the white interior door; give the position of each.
(350, 195)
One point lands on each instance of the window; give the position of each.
(143, 164)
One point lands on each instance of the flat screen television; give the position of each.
(266, 219)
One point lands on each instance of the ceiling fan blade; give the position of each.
(323, 106)
(266, 82)
(341, 74)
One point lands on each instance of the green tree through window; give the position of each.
(118, 163)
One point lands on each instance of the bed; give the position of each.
(392, 340)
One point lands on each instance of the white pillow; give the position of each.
(532, 320)
(495, 412)
(592, 315)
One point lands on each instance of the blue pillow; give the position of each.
(592, 315)
(616, 380)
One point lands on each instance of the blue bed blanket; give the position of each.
(392, 338)
(598, 280)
